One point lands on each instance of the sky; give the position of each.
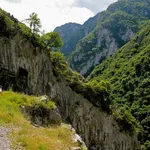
(53, 13)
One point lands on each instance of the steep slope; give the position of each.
(117, 25)
(128, 71)
(26, 67)
(71, 33)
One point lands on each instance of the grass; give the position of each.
(26, 136)
(32, 138)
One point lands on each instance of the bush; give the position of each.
(125, 119)
(7, 25)
(25, 30)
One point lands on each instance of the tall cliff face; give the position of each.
(71, 33)
(116, 26)
(28, 68)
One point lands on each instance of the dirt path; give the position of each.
(4, 141)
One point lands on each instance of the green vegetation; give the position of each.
(26, 136)
(51, 40)
(26, 31)
(115, 26)
(128, 72)
(8, 24)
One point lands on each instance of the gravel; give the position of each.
(5, 144)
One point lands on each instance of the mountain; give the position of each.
(116, 26)
(71, 33)
(128, 71)
(26, 66)
(65, 32)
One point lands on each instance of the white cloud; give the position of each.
(52, 12)
(94, 5)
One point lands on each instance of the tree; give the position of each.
(51, 40)
(34, 23)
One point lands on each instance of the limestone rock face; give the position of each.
(84, 62)
(34, 71)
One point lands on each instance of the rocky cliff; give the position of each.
(28, 68)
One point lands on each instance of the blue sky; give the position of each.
(54, 13)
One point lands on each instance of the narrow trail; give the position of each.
(4, 141)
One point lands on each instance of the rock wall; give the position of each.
(34, 71)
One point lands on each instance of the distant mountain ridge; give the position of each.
(71, 33)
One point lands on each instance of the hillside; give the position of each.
(116, 26)
(71, 33)
(28, 67)
(128, 71)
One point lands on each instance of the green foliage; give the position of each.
(125, 119)
(120, 19)
(61, 68)
(43, 147)
(51, 40)
(147, 145)
(47, 104)
(8, 25)
(25, 30)
(128, 72)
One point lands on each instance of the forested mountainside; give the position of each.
(27, 66)
(128, 71)
(71, 33)
(116, 26)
